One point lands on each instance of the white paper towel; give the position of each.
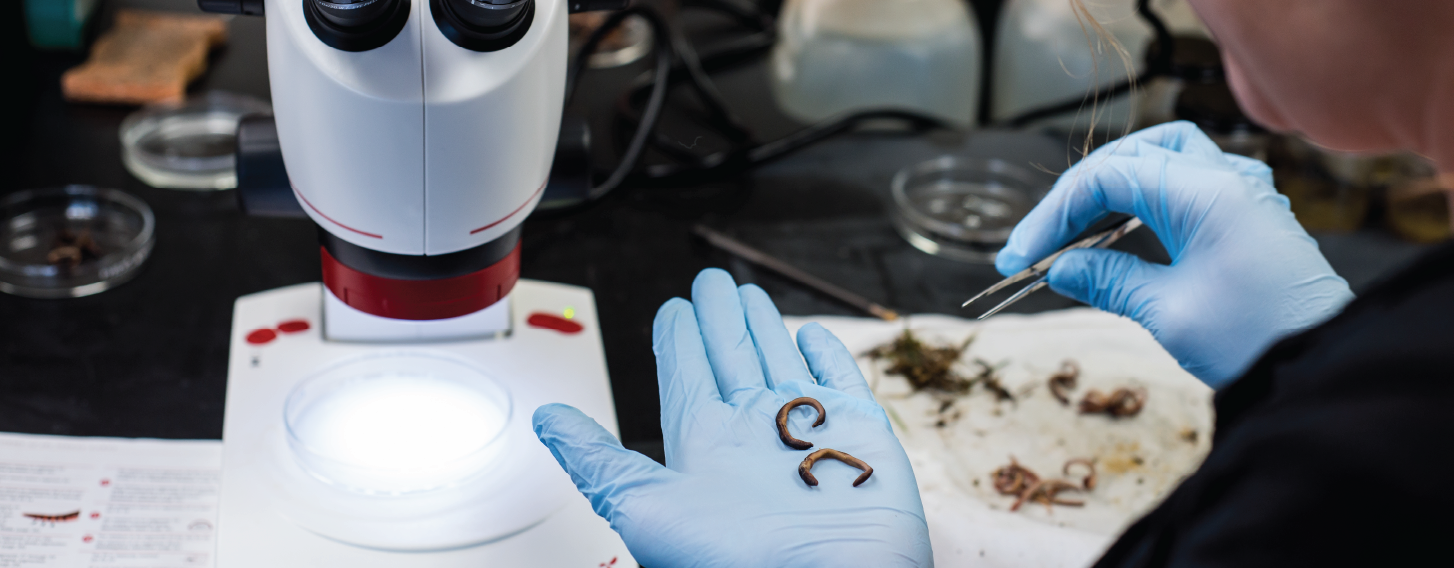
(1139, 459)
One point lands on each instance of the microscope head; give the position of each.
(418, 134)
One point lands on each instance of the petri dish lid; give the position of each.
(190, 145)
(72, 241)
(963, 208)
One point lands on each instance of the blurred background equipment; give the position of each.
(841, 56)
(627, 43)
(58, 24)
(146, 57)
(1053, 68)
(1341, 192)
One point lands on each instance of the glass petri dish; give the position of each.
(962, 208)
(72, 241)
(397, 423)
(191, 145)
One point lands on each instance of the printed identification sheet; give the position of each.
(81, 502)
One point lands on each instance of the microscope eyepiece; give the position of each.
(483, 25)
(488, 14)
(356, 25)
(353, 13)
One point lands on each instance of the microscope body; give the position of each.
(418, 153)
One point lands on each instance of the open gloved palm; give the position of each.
(730, 494)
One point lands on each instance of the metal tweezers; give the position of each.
(1041, 270)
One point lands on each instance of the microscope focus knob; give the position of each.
(483, 25)
(356, 25)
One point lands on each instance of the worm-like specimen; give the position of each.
(1018, 481)
(782, 422)
(1064, 381)
(806, 468)
(1089, 481)
(71, 516)
(1121, 403)
(1045, 491)
(1014, 479)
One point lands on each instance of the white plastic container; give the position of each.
(839, 56)
(1044, 56)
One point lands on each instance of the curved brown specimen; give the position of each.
(782, 421)
(1089, 481)
(1063, 382)
(62, 518)
(805, 469)
(1122, 402)
(1045, 492)
(1014, 479)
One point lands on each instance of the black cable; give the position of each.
(677, 61)
(721, 164)
(661, 81)
(1158, 62)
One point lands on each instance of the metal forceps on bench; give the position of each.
(1040, 271)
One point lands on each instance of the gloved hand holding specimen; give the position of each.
(731, 493)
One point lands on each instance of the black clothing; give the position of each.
(1336, 448)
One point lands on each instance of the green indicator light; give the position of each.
(570, 312)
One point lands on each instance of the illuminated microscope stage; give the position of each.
(388, 456)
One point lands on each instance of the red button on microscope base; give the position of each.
(551, 321)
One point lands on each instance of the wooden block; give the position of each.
(145, 57)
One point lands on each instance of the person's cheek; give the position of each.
(1251, 98)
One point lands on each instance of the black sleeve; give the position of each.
(1336, 448)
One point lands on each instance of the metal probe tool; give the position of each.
(1040, 271)
(764, 260)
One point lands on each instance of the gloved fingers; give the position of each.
(683, 374)
(779, 357)
(1160, 189)
(730, 348)
(604, 471)
(1255, 169)
(1113, 281)
(831, 362)
(1180, 136)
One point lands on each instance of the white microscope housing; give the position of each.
(419, 135)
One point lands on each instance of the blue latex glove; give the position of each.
(1243, 272)
(730, 494)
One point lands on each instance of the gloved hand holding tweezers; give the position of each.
(1243, 272)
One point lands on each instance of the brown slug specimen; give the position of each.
(1064, 381)
(782, 421)
(805, 469)
(1026, 486)
(1121, 403)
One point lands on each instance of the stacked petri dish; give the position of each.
(191, 145)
